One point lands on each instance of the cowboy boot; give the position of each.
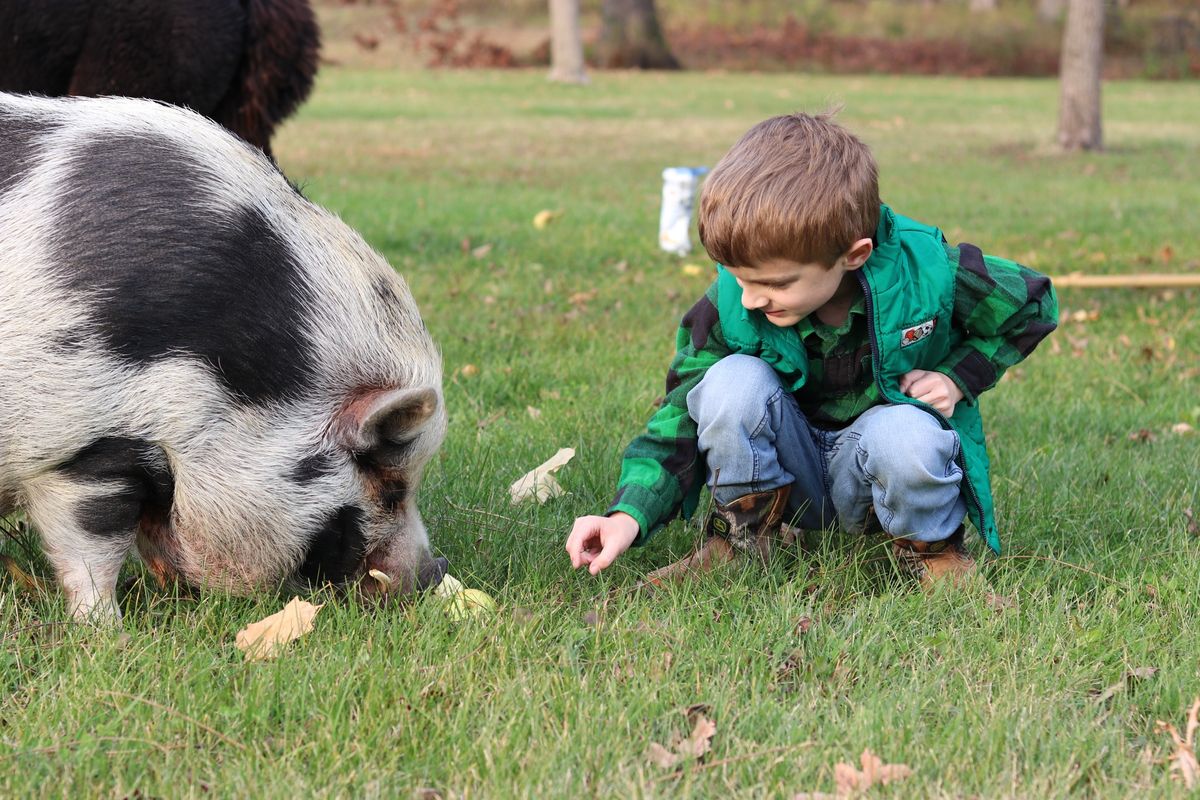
(934, 562)
(751, 524)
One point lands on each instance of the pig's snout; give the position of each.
(431, 574)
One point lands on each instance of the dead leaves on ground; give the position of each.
(850, 780)
(539, 483)
(266, 638)
(1183, 760)
(1128, 679)
(27, 582)
(692, 748)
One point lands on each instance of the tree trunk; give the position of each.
(1051, 10)
(566, 45)
(1079, 76)
(630, 36)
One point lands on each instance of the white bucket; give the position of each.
(678, 197)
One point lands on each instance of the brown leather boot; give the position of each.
(751, 524)
(933, 562)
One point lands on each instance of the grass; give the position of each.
(564, 691)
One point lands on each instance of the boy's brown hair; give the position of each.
(798, 187)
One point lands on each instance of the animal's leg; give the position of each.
(87, 512)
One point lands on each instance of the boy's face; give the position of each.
(788, 291)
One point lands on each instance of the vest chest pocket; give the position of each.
(920, 344)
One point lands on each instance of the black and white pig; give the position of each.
(198, 362)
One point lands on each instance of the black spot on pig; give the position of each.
(314, 467)
(18, 148)
(135, 479)
(166, 273)
(337, 548)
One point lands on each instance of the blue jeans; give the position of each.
(895, 458)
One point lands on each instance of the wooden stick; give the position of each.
(1143, 280)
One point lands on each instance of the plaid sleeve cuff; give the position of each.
(644, 506)
(971, 370)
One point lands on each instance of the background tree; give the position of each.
(1079, 76)
(630, 36)
(566, 44)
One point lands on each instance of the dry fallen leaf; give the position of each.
(539, 482)
(1193, 527)
(482, 250)
(544, 217)
(468, 370)
(695, 746)
(1141, 673)
(30, 583)
(1184, 758)
(266, 638)
(534, 413)
(998, 602)
(1182, 429)
(850, 780)
(692, 269)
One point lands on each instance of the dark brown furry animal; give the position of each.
(247, 64)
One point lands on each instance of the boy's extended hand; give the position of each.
(597, 541)
(934, 388)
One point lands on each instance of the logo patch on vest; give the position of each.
(917, 332)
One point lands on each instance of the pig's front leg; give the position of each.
(87, 511)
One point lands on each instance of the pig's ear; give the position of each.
(385, 417)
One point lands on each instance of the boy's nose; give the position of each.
(752, 300)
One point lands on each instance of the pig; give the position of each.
(199, 364)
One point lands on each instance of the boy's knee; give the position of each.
(737, 386)
(899, 438)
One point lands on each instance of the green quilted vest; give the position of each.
(909, 287)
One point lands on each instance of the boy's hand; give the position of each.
(934, 388)
(597, 541)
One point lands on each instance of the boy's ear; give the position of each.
(858, 253)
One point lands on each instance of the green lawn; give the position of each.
(992, 694)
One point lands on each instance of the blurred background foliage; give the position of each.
(1157, 39)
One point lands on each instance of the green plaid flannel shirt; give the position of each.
(661, 466)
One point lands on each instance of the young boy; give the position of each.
(831, 374)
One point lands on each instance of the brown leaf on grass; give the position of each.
(1140, 673)
(539, 482)
(660, 756)
(694, 747)
(1183, 760)
(1182, 429)
(874, 772)
(1166, 254)
(1192, 526)
(1143, 436)
(582, 298)
(802, 625)
(998, 602)
(266, 638)
(482, 250)
(30, 583)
